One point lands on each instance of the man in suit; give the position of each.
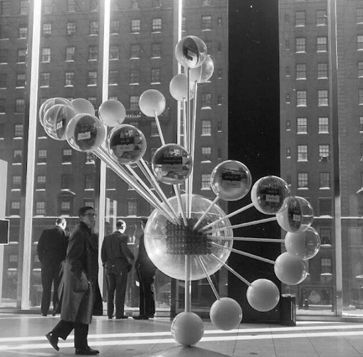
(52, 247)
(117, 260)
(78, 285)
(145, 270)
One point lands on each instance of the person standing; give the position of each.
(145, 270)
(79, 275)
(117, 260)
(51, 249)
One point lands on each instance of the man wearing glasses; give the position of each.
(78, 286)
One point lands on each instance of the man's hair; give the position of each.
(144, 221)
(59, 220)
(82, 211)
(120, 224)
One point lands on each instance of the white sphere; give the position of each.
(112, 112)
(178, 87)
(263, 295)
(152, 102)
(290, 269)
(191, 51)
(49, 103)
(187, 328)
(203, 73)
(304, 245)
(226, 313)
(83, 106)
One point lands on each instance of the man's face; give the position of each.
(123, 228)
(89, 218)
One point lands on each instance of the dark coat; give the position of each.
(52, 246)
(79, 276)
(143, 262)
(115, 254)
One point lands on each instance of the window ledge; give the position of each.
(66, 163)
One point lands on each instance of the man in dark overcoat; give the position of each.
(51, 249)
(79, 276)
(145, 270)
(117, 260)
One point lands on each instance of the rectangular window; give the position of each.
(322, 44)
(89, 182)
(324, 150)
(300, 18)
(361, 124)
(132, 207)
(114, 53)
(70, 52)
(205, 182)
(134, 76)
(156, 50)
(4, 53)
(206, 128)
(90, 158)
(69, 79)
(300, 44)
(44, 79)
(322, 70)
(206, 153)
(301, 98)
(134, 102)
(17, 156)
(19, 105)
(135, 51)
(155, 75)
(92, 79)
(46, 55)
(206, 23)
(24, 6)
(323, 99)
(325, 235)
(323, 125)
(154, 129)
(359, 42)
(15, 208)
(41, 181)
(288, 153)
(359, 15)
(324, 180)
(135, 25)
(65, 206)
(47, 29)
(21, 58)
(360, 96)
(93, 27)
(302, 153)
(48, 7)
(301, 71)
(206, 100)
(2, 105)
(16, 181)
(66, 182)
(3, 80)
(71, 28)
(18, 130)
(67, 155)
(326, 265)
(325, 206)
(321, 18)
(115, 27)
(301, 125)
(40, 208)
(113, 78)
(42, 155)
(302, 180)
(92, 53)
(156, 25)
(20, 80)
(23, 32)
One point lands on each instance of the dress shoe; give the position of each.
(88, 351)
(140, 317)
(122, 317)
(44, 314)
(110, 317)
(53, 340)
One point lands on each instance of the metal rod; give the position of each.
(188, 286)
(159, 129)
(240, 277)
(201, 263)
(248, 239)
(245, 253)
(206, 212)
(178, 197)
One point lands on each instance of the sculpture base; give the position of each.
(184, 351)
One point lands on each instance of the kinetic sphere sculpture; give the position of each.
(187, 236)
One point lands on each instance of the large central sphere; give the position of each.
(168, 244)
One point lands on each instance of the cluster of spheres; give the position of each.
(168, 243)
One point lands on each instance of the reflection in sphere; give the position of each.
(49, 103)
(167, 243)
(226, 313)
(290, 269)
(171, 164)
(231, 180)
(263, 295)
(85, 132)
(152, 102)
(268, 194)
(178, 87)
(303, 244)
(296, 214)
(191, 51)
(127, 144)
(112, 112)
(202, 73)
(187, 328)
(56, 119)
(83, 106)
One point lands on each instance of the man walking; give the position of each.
(117, 260)
(145, 270)
(79, 275)
(52, 248)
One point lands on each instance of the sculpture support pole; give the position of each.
(180, 205)
(159, 129)
(188, 286)
(201, 263)
(206, 212)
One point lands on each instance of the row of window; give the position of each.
(301, 98)
(302, 125)
(303, 180)
(321, 18)
(302, 152)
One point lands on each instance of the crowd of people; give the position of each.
(69, 264)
